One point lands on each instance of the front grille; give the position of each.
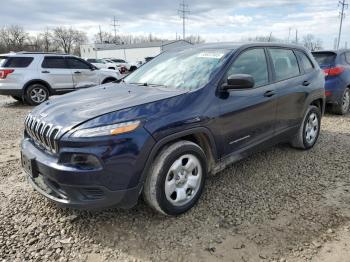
(43, 134)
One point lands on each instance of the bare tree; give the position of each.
(103, 38)
(69, 39)
(13, 37)
(312, 43)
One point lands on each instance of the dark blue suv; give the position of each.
(161, 130)
(336, 65)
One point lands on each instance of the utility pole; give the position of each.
(115, 25)
(296, 36)
(183, 13)
(290, 29)
(100, 34)
(343, 5)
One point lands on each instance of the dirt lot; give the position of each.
(278, 205)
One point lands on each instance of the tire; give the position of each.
(309, 130)
(184, 187)
(18, 98)
(36, 94)
(344, 105)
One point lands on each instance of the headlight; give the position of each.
(115, 129)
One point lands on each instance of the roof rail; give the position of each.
(43, 53)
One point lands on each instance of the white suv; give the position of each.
(33, 77)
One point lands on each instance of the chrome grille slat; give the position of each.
(43, 134)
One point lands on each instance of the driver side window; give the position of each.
(251, 62)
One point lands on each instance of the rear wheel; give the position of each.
(309, 130)
(343, 106)
(176, 178)
(36, 94)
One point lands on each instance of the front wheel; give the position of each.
(176, 178)
(36, 94)
(309, 130)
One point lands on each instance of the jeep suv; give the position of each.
(160, 131)
(33, 77)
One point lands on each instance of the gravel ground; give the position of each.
(278, 205)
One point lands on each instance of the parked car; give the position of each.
(167, 125)
(130, 66)
(33, 77)
(336, 65)
(102, 64)
(120, 66)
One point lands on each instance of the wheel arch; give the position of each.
(320, 103)
(38, 81)
(200, 136)
(107, 79)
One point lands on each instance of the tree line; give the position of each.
(14, 38)
(68, 40)
(59, 39)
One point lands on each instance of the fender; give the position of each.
(160, 143)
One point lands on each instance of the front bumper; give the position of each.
(117, 184)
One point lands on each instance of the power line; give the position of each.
(344, 6)
(115, 25)
(183, 13)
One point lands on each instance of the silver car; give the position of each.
(32, 77)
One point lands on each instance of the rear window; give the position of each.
(54, 62)
(15, 62)
(325, 58)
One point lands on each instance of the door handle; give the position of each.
(77, 72)
(269, 93)
(45, 72)
(306, 83)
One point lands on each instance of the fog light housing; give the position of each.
(81, 161)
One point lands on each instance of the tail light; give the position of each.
(334, 71)
(328, 93)
(4, 73)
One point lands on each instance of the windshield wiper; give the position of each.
(147, 84)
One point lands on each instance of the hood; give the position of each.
(74, 108)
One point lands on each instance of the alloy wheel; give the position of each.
(38, 95)
(346, 101)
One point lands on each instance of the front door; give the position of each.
(56, 72)
(248, 116)
(83, 74)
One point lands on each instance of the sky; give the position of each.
(214, 20)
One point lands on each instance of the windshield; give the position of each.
(189, 69)
(324, 58)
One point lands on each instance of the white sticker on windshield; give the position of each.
(211, 55)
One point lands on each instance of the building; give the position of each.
(129, 52)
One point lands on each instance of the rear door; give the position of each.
(248, 116)
(291, 86)
(84, 75)
(56, 72)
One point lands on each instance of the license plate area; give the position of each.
(29, 166)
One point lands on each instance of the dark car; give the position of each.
(336, 65)
(162, 129)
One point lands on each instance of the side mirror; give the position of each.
(239, 81)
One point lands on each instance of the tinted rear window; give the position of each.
(54, 62)
(15, 62)
(325, 58)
